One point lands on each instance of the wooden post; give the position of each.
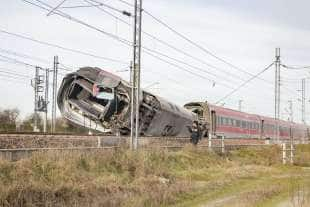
(210, 142)
(284, 153)
(98, 141)
(223, 144)
(292, 153)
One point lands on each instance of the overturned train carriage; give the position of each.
(99, 100)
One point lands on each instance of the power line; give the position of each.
(112, 8)
(181, 68)
(55, 8)
(204, 49)
(18, 61)
(173, 47)
(295, 68)
(28, 64)
(7, 71)
(194, 43)
(13, 76)
(243, 84)
(109, 34)
(73, 19)
(10, 52)
(106, 33)
(61, 47)
(14, 80)
(127, 3)
(128, 43)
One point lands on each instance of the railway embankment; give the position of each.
(188, 177)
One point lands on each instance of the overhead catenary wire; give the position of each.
(13, 80)
(76, 20)
(182, 68)
(295, 68)
(124, 41)
(112, 8)
(170, 46)
(97, 29)
(18, 62)
(10, 72)
(206, 50)
(244, 83)
(18, 54)
(174, 48)
(10, 52)
(128, 43)
(62, 47)
(15, 77)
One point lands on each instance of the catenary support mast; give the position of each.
(54, 95)
(135, 76)
(277, 92)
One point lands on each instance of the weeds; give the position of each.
(142, 178)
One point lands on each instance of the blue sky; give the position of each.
(244, 33)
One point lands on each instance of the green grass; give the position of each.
(190, 177)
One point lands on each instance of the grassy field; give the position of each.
(191, 177)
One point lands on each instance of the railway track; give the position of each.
(15, 146)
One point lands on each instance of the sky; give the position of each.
(241, 32)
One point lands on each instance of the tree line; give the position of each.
(11, 121)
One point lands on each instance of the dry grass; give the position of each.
(126, 178)
(110, 178)
(302, 157)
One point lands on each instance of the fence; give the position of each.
(32, 143)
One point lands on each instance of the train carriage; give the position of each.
(236, 124)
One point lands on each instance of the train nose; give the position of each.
(88, 95)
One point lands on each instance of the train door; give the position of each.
(213, 122)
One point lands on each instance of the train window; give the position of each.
(238, 123)
(231, 122)
(222, 120)
(234, 122)
(243, 124)
(226, 121)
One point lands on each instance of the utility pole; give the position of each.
(54, 95)
(135, 76)
(36, 95)
(39, 100)
(240, 105)
(47, 73)
(277, 91)
(303, 100)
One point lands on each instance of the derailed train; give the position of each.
(99, 100)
